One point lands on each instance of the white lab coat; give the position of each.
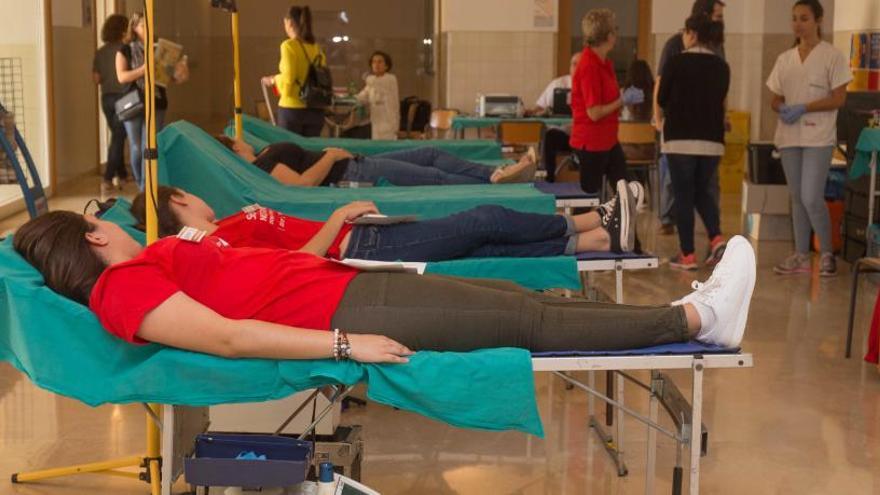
(382, 95)
(824, 69)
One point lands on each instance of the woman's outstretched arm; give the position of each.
(184, 323)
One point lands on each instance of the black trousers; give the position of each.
(432, 312)
(306, 122)
(116, 148)
(594, 165)
(555, 142)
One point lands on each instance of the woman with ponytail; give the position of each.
(808, 84)
(298, 52)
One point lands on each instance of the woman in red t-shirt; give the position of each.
(195, 292)
(486, 231)
(596, 101)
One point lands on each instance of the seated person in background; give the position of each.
(544, 105)
(639, 75)
(294, 166)
(382, 96)
(555, 138)
(484, 231)
(199, 294)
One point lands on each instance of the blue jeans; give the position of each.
(486, 231)
(137, 136)
(806, 170)
(692, 184)
(417, 167)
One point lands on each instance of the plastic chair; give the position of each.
(513, 133)
(441, 122)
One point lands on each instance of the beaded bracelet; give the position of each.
(341, 345)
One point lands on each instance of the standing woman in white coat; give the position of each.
(809, 85)
(382, 95)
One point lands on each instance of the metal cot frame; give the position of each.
(662, 391)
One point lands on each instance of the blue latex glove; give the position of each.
(791, 113)
(632, 96)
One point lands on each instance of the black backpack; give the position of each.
(317, 90)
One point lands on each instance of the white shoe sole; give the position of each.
(638, 190)
(623, 195)
(734, 337)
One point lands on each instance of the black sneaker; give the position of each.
(617, 220)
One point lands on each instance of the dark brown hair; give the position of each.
(301, 17)
(639, 75)
(709, 32)
(55, 244)
(225, 141)
(385, 56)
(817, 10)
(113, 30)
(706, 7)
(169, 224)
(133, 21)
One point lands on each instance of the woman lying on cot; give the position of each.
(481, 232)
(294, 166)
(194, 292)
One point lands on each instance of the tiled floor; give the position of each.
(803, 421)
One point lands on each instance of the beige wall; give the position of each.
(486, 52)
(76, 102)
(22, 38)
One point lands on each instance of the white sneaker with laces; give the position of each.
(727, 293)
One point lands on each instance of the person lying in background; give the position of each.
(481, 232)
(292, 165)
(197, 293)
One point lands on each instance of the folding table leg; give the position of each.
(696, 422)
(651, 462)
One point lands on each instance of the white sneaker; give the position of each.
(728, 293)
(637, 191)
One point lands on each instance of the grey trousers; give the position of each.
(432, 312)
(806, 170)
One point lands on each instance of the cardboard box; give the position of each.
(767, 227)
(770, 199)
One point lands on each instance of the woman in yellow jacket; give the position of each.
(297, 52)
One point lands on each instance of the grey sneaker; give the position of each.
(794, 264)
(827, 265)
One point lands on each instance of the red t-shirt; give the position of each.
(256, 226)
(273, 285)
(594, 83)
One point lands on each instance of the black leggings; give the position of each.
(431, 312)
(306, 122)
(597, 164)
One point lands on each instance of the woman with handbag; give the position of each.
(104, 75)
(130, 70)
(298, 53)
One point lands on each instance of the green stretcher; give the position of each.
(61, 347)
(557, 272)
(258, 133)
(195, 161)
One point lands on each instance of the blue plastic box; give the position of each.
(214, 462)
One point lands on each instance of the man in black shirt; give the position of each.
(674, 46)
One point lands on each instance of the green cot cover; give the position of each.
(473, 149)
(558, 272)
(465, 122)
(868, 143)
(195, 161)
(61, 347)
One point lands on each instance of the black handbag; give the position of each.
(317, 90)
(130, 106)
